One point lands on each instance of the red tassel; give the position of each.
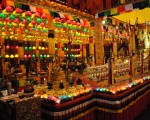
(99, 4)
(108, 4)
(89, 4)
(75, 2)
(82, 5)
(69, 3)
(3, 3)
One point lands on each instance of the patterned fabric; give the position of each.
(29, 109)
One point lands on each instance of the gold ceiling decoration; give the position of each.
(142, 15)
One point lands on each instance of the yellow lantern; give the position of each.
(16, 55)
(11, 56)
(6, 56)
(33, 47)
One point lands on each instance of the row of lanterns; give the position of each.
(25, 56)
(34, 48)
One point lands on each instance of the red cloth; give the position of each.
(99, 4)
(39, 10)
(69, 3)
(121, 9)
(3, 3)
(75, 2)
(108, 4)
(82, 5)
(89, 4)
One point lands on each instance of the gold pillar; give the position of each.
(99, 43)
(132, 42)
(4, 64)
(38, 55)
(84, 52)
(21, 50)
(51, 45)
(91, 46)
(60, 51)
(115, 51)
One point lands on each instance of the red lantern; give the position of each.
(8, 19)
(33, 22)
(78, 24)
(36, 14)
(42, 23)
(57, 19)
(18, 10)
(68, 22)
(74, 22)
(28, 13)
(16, 20)
(44, 16)
(63, 20)
(9, 9)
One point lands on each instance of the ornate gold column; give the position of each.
(4, 64)
(132, 41)
(115, 51)
(51, 46)
(99, 43)
(21, 50)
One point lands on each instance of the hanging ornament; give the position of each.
(9, 9)
(28, 13)
(16, 20)
(33, 22)
(8, 19)
(46, 22)
(44, 16)
(38, 20)
(42, 24)
(36, 15)
(12, 17)
(29, 19)
(2, 15)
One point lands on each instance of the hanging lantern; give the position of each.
(7, 47)
(6, 56)
(28, 13)
(25, 48)
(44, 56)
(3, 15)
(25, 56)
(33, 56)
(44, 16)
(29, 56)
(9, 9)
(12, 17)
(30, 48)
(43, 48)
(38, 20)
(48, 56)
(16, 55)
(39, 47)
(12, 56)
(36, 14)
(41, 56)
(33, 47)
